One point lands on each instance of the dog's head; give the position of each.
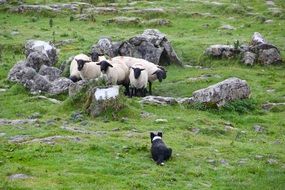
(156, 136)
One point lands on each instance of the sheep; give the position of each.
(74, 73)
(116, 73)
(138, 80)
(154, 71)
(88, 69)
(96, 57)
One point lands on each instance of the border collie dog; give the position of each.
(159, 151)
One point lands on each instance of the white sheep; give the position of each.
(155, 72)
(74, 73)
(116, 73)
(88, 69)
(138, 80)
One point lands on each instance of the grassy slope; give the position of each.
(120, 159)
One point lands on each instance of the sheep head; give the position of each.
(104, 65)
(137, 72)
(81, 63)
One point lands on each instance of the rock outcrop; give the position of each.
(151, 45)
(217, 94)
(36, 72)
(258, 51)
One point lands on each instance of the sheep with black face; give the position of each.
(116, 73)
(88, 69)
(155, 72)
(138, 80)
(74, 72)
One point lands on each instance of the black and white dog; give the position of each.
(159, 151)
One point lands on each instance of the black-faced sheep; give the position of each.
(116, 73)
(88, 69)
(74, 73)
(155, 72)
(138, 80)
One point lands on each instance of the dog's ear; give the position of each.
(151, 135)
(159, 134)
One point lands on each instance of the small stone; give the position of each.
(213, 162)
(243, 161)
(19, 138)
(2, 134)
(195, 130)
(270, 90)
(18, 176)
(161, 121)
(227, 27)
(145, 114)
(35, 115)
(76, 117)
(259, 157)
(258, 128)
(228, 128)
(14, 33)
(268, 21)
(124, 119)
(224, 162)
(272, 161)
(3, 90)
(116, 129)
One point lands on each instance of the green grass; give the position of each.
(117, 156)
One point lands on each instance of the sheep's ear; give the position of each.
(154, 73)
(152, 135)
(110, 65)
(99, 63)
(76, 60)
(142, 69)
(159, 134)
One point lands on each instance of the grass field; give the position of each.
(212, 148)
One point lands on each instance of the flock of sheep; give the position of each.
(133, 73)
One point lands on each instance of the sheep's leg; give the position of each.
(127, 91)
(149, 85)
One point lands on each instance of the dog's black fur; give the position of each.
(159, 150)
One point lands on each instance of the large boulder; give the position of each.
(36, 73)
(151, 45)
(269, 56)
(101, 99)
(45, 52)
(222, 92)
(220, 51)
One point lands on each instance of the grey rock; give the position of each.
(203, 77)
(52, 139)
(270, 3)
(14, 33)
(268, 21)
(36, 60)
(74, 88)
(152, 45)
(60, 85)
(35, 115)
(243, 161)
(257, 128)
(102, 98)
(222, 92)
(227, 27)
(3, 90)
(102, 10)
(269, 56)
(52, 100)
(218, 51)
(145, 114)
(158, 100)
(52, 73)
(77, 116)
(17, 122)
(149, 11)
(38, 84)
(122, 20)
(3, 1)
(224, 162)
(257, 39)
(269, 106)
(19, 138)
(83, 131)
(42, 48)
(249, 58)
(161, 121)
(159, 22)
(19, 176)
(2, 134)
(259, 157)
(272, 161)
(195, 130)
(20, 72)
